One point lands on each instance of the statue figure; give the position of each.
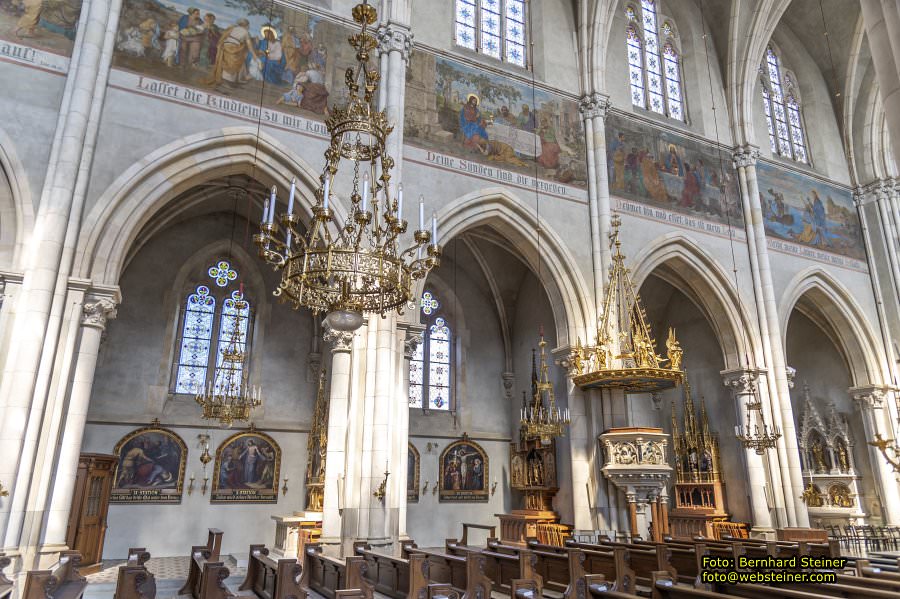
(843, 458)
(578, 358)
(674, 351)
(642, 353)
(818, 453)
(812, 497)
(839, 495)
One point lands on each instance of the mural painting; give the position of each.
(246, 470)
(810, 212)
(150, 467)
(44, 24)
(412, 474)
(466, 112)
(245, 49)
(670, 171)
(464, 472)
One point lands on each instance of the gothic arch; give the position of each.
(16, 203)
(815, 294)
(686, 266)
(559, 274)
(145, 189)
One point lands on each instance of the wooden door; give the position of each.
(90, 503)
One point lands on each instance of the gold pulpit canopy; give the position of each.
(624, 356)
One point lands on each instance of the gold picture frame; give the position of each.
(247, 469)
(464, 472)
(412, 474)
(150, 465)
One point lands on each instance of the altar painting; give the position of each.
(412, 474)
(463, 472)
(466, 112)
(657, 167)
(810, 212)
(150, 467)
(246, 469)
(43, 24)
(243, 49)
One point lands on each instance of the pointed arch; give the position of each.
(149, 185)
(681, 262)
(830, 305)
(510, 216)
(16, 202)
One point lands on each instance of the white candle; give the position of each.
(400, 200)
(365, 192)
(265, 214)
(325, 193)
(272, 201)
(421, 213)
(288, 240)
(291, 197)
(433, 228)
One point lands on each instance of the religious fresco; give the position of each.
(244, 49)
(464, 472)
(412, 474)
(43, 24)
(810, 212)
(150, 467)
(246, 469)
(670, 171)
(473, 114)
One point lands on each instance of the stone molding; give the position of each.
(742, 381)
(744, 156)
(870, 397)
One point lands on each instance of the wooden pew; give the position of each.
(566, 566)
(212, 582)
(867, 569)
(270, 579)
(505, 563)
(135, 581)
(397, 577)
(62, 583)
(6, 585)
(200, 554)
(333, 578)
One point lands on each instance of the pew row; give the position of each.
(268, 578)
(134, 580)
(62, 583)
(333, 578)
(200, 555)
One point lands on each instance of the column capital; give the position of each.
(877, 191)
(742, 381)
(340, 341)
(97, 310)
(508, 379)
(744, 156)
(870, 397)
(412, 341)
(594, 105)
(394, 37)
(790, 373)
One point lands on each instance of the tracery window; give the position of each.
(496, 28)
(781, 103)
(195, 363)
(430, 367)
(654, 66)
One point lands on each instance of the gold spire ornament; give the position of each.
(316, 445)
(228, 397)
(624, 356)
(359, 267)
(540, 419)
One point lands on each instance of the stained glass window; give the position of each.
(198, 353)
(783, 118)
(496, 28)
(429, 303)
(654, 71)
(430, 366)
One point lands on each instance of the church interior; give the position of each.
(449, 299)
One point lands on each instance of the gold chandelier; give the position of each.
(228, 398)
(542, 419)
(358, 267)
(751, 435)
(624, 356)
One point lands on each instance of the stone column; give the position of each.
(411, 337)
(632, 514)
(395, 46)
(870, 400)
(332, 523)
(882, 23)
(97, 310)
(879, 192)
(779, 393)
(743, 384)
(581, 444)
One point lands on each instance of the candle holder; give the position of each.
(3, 492)
(381, 491)
(190, 486)
(205, 485)
(284, 489)
(493, 488)
(425, 488)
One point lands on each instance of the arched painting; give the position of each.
(247, 469)
(464, 472)
(412, 474)
(150, 467)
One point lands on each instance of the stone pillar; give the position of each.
(580, 451)
(870, 400)
(410, 337)
(743, 384)
(395, 46)
(333, 503)
(97, 310)
(632, 514)
(882, 23)
(788, 452)
(879, 192)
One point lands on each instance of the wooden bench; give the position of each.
(206, 574)
(467, 525)
(134, 580)
(504, 564)
(611, 564)
(272, 579)
(62, 583)
(6, 585)
(333, 578)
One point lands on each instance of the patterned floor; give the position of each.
(170, 572)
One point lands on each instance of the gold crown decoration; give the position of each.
(624, 356)
(360, 266)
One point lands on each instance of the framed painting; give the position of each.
(246, 469)
(464, 472)
(150, 466)
(412, 474)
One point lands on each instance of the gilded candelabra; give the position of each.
(751, 435)
(228, 397)
(541, 418)
(359, 267)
